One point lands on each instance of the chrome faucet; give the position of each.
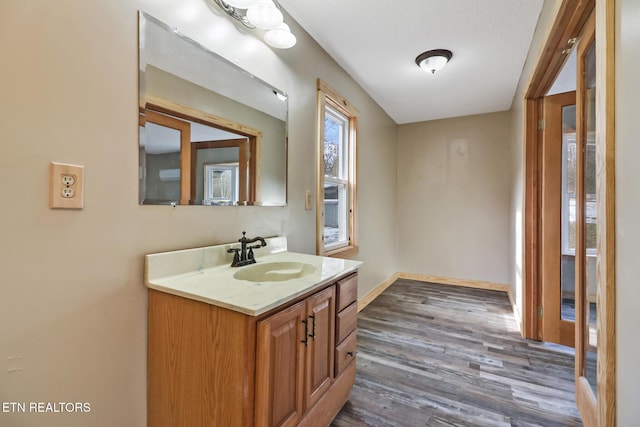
(244, 254)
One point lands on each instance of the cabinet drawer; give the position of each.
(347, 291)
(346, 322)
(345, 353)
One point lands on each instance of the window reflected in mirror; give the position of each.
(221, 183)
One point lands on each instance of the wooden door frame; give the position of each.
(605, 194)
(208, 119)
(569, 21)
(585, 399)
(246, 149)
(185, 139)
(567, 26)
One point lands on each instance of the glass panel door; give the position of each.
(590, 218)
(558, 221)
(568, 214)
(586, 234)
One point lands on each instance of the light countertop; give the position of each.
(191, 277)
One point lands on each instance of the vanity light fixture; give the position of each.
(262, 14)
(433, 60)
(281, 96)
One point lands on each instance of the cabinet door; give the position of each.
(320, 347)
(280, 367)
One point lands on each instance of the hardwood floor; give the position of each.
(439, 355)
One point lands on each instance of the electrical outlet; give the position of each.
(66, 186)
(68, 180)
(68, 193)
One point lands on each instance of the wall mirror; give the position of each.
(210, 133)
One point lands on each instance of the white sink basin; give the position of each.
(274, 271)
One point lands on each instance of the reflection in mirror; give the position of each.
(210, 133)
(177, 149)
(221, 182)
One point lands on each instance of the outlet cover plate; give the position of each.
(57, 188)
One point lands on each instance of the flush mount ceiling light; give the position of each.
(433, 60)
(263, 14)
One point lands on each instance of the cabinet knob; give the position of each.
(350, 353)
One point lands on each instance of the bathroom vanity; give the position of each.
(270, 344)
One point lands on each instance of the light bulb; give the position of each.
(433, 63)
(280, 37)
(264, 14)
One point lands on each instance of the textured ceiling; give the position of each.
(377, 41)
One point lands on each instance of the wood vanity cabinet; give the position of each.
(346, 322)
(211, 366)
(294, 365)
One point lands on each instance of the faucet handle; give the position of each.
(236, 256)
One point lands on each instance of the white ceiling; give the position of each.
(377, 41)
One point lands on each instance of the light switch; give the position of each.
(66, 186)
(307, 200)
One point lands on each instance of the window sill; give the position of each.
(343, 252)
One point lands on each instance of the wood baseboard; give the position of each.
(492, 286)
(375, 292)
(479, 284)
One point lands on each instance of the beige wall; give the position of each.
(453, 199)
(73, 304)
(627, 210)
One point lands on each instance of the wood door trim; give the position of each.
(531, 326)
(605, 194)
(586, 405)
(239, 143)
(185, 152)
(174, 108)
(568, 24)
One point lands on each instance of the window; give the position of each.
(569, 195)
(221, 183)
(569, 191)
(336, 200)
